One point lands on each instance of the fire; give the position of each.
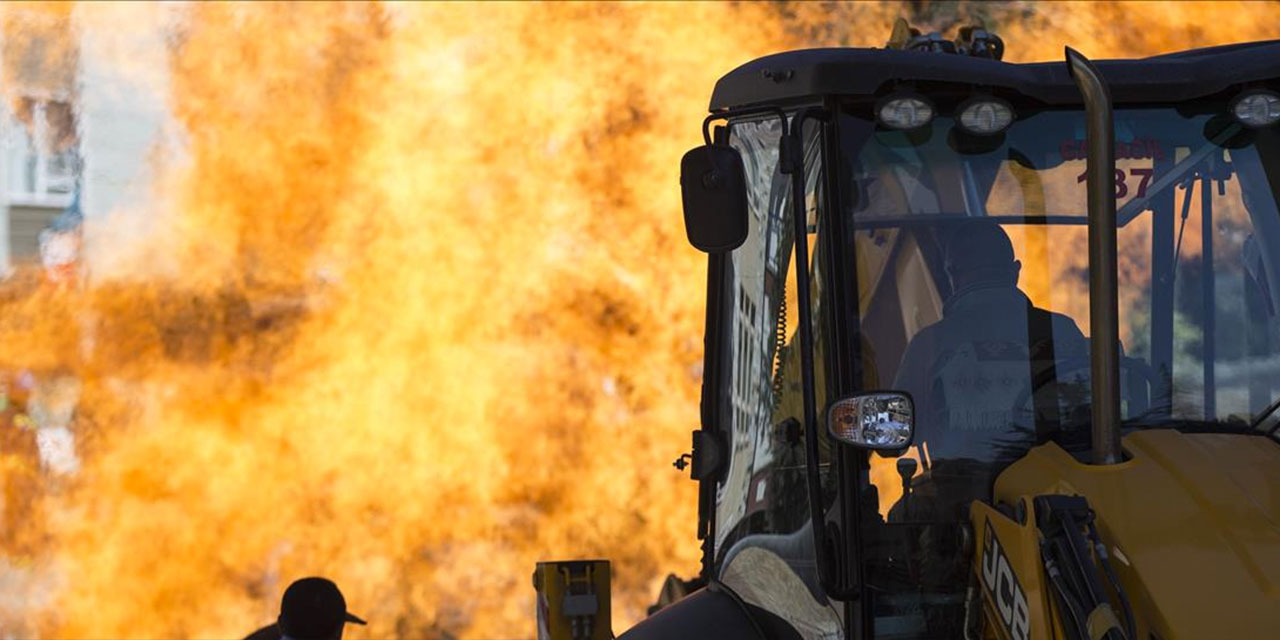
(411, 308)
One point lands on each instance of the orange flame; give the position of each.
(412, 310)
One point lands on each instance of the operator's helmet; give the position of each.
(980, 250)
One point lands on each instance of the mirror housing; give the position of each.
(879, 420)
(713, 186)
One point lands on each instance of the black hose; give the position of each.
(1130, 625)
(1189, 188)
(1066, 600)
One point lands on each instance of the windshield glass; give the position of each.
(972, 274)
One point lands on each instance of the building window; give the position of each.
(41, 151)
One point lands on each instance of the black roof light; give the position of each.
(1259, 108)
(905, 111)
(985, 115)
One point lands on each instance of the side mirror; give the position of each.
(880, 420)
(713, 186)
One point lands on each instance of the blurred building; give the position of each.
(83, 105)
(74, 127)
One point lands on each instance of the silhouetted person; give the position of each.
(311, 609)
(967, 371)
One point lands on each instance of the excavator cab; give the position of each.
(992, 349)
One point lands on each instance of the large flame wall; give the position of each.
(415, 309)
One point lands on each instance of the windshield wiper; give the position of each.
(1182, 425)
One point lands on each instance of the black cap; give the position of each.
(979, 244)
(314, 609)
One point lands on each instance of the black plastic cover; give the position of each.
(714, 189)
(711, 613)
(798, 76)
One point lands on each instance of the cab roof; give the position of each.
(800, 76)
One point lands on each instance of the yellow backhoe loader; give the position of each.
(992, 351)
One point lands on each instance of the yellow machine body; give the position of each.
(1191, 523)
(573, 600)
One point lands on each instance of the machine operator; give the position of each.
(967, 371)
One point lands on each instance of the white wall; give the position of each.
(124, 114)
(4, 212)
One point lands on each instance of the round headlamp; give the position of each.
(1257, 108)
(905, 112)
(985, 116)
